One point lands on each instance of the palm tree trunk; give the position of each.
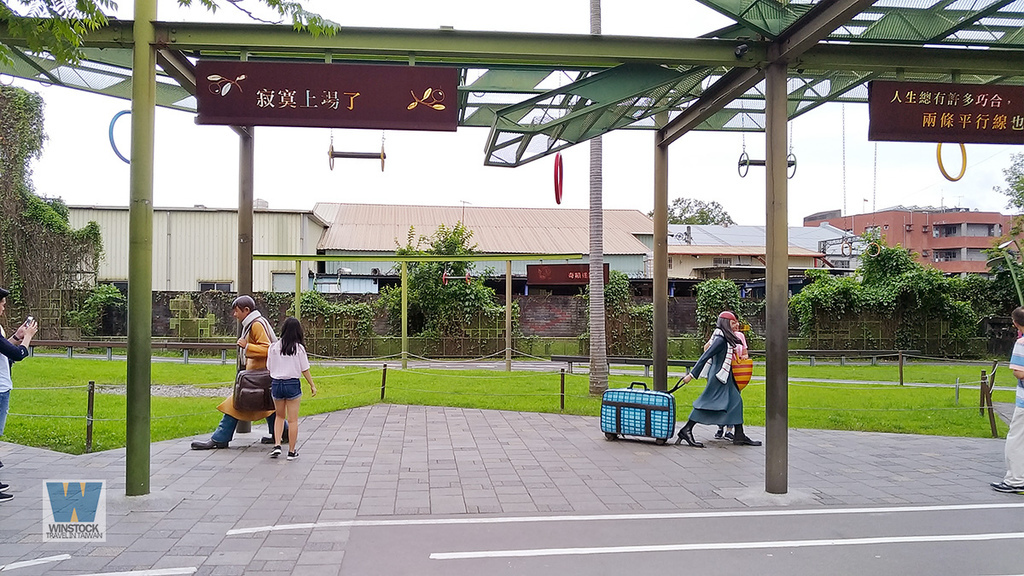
(598, 344)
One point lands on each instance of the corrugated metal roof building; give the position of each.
(380, 229)
(196, 248)
(738, 252)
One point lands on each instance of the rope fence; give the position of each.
(985, 384)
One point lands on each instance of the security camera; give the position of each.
(741, 50)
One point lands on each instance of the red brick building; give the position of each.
(949, 239)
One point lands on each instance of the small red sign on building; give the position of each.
(560, 274)
(937, 112)
(326, 95)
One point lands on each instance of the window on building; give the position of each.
(722, 262)
(121, 285)
(221, 286)
(843, 264)
(670, 262)
(947, 255)
(947, 230)
(925, 253)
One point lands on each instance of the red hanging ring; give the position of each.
(558, 177)
(468, 279)
(444, 278)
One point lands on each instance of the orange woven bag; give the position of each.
(742, 370)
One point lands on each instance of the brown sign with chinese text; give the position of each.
(326, 95)
(937, 112)
(560, 274)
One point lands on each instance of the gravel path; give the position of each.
(180, 391)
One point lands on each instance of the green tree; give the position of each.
(441, 301)
(57, 27)
(713, 296)
(39, 251)
(893, 285)
(690, 211)
(1014, 190)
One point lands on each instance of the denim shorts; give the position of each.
(5, 399)
(288, 389)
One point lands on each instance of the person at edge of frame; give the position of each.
(1013, 480)
(14, 349)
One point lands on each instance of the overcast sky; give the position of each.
(198, 164)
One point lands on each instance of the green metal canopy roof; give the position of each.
(539, 93)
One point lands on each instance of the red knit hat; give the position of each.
(728, 315)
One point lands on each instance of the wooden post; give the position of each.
(901, 367)
(981, 392)
(986, 400)
(88, 417)
(562, 400)
(383, 380)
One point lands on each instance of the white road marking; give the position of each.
(620, 517)
(723, 546)
(36, 562)
(154, 572)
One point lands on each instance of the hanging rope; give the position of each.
(874, 185)
(844, 157)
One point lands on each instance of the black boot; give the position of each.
(686, 433)
(741, 439)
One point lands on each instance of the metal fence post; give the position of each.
(88, 417)
(383, 380)
(901, 366)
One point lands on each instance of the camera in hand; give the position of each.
(29, 320)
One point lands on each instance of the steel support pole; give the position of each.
(508, 315)
(298, 289)
(777, 286)
(140, 251)
(245, 204)
(405, 315)
(660, 289)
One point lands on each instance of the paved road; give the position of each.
(208, 512)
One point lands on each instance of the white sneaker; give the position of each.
(275, 452)
(293, 455)
(4, 496)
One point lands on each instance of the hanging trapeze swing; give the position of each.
(332, 154)
(744, 164)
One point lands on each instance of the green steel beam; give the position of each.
(888, 58)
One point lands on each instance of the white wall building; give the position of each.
(195, 249)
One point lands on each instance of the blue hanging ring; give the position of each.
(111, 133)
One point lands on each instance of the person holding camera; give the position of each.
(14, 349)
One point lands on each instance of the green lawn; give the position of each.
(48, 405)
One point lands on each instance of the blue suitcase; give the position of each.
(638, 412)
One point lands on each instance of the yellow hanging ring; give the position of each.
(963, 163)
